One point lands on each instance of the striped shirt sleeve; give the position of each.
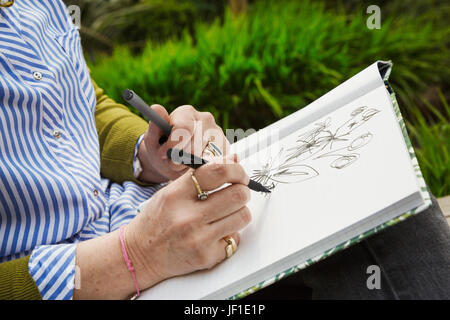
(52, 268)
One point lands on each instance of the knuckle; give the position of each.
(208, 117)
(182, 128)
(211, 263)
(195, 244)
(203, 215)
(203, 260)
(219, 169)
(241, 194)
(246, 216)
(187, 108)
(183, 224)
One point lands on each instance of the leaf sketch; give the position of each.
(317, 143)
(270, 174)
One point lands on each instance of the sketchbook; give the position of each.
(340, 170)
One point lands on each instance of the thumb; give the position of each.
(154, 132)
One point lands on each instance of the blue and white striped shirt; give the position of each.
(51, 191)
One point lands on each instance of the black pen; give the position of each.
(187, 159)
(190, 160)
(132, 98)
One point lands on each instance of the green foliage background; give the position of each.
(253, 69)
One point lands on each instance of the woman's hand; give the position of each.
(178, 234)
(191, 131)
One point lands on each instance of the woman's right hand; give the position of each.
(178, 234)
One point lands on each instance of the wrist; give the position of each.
(146, 171)
(146, 274)
(137, 166)
(103, 272)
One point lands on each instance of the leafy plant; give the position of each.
(132, 22)
(276, 60)
(431, 139)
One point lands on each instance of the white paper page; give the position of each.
(355, 87)
(338, 192)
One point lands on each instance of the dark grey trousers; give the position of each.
(413, 259)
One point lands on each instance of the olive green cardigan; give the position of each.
(118, 130)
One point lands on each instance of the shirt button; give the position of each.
(37, 75)
(95, 192)
(56, 134)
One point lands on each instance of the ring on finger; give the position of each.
(231, 247)
(201, 195)
(212, 150)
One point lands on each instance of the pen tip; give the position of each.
(256, 186)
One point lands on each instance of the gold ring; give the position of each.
(231, 247)
(6, 3)
(201, 195)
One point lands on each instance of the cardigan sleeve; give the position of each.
(16, 282)
(118, 130)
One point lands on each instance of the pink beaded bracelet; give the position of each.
(128, 262)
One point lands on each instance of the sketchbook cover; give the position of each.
(385, 69)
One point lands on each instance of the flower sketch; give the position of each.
(320, 142)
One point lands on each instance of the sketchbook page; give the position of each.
(357, 86)
(327, 176)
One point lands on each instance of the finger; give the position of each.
(203, 122)
(212, 133)
(218, 173)
(225, 145)
(188, 147)
(154, 132)
(215, 135)
(231, 223)
(183, 121)
(224, 202)
(210, 177)
(195, 144)
(237, 239)
(209, 128)
(184, 128)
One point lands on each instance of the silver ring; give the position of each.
(212, 150)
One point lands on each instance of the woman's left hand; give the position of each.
(191, 131)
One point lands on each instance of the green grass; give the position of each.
(431, 140)
(252, 70)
